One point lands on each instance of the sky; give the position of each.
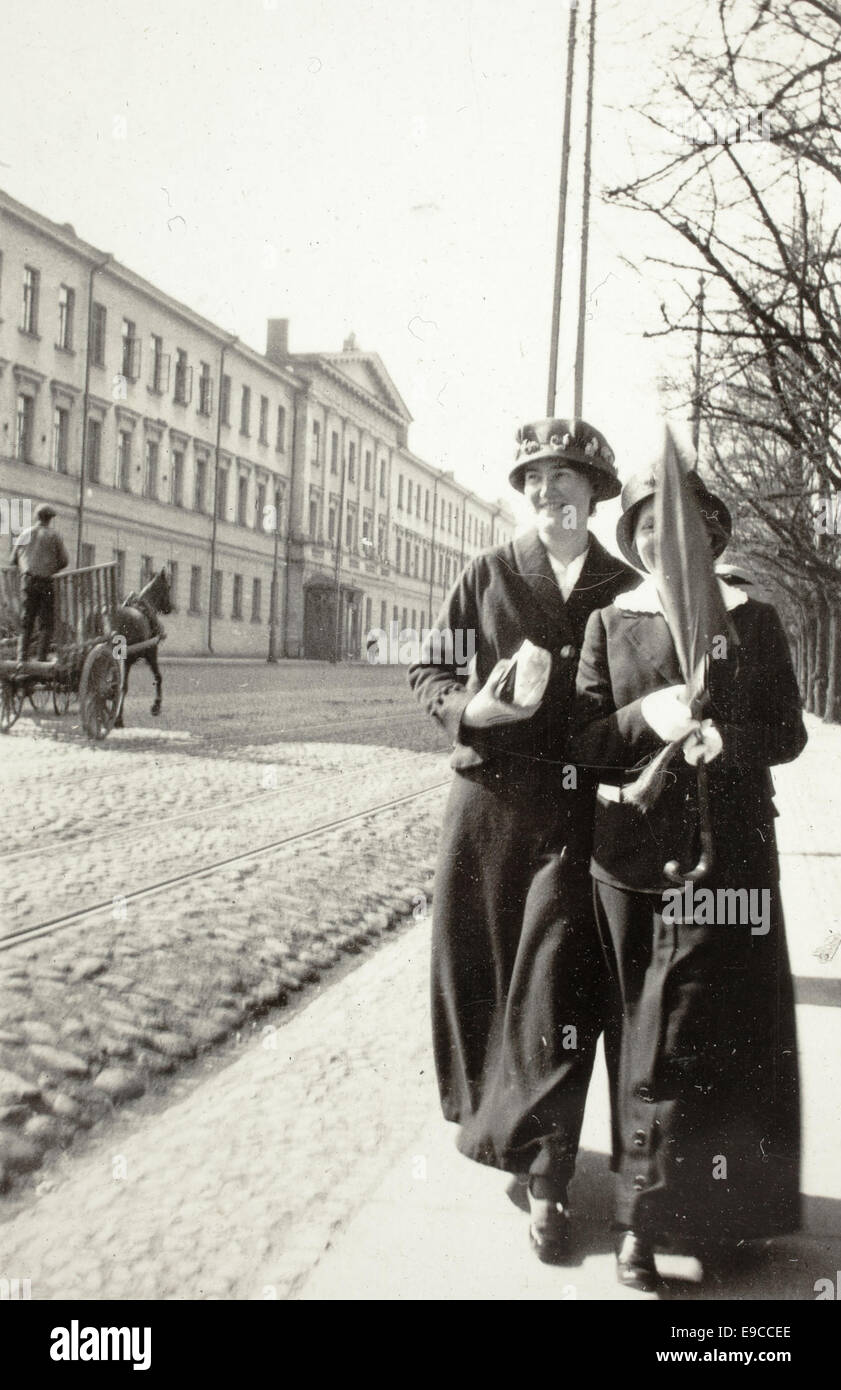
(385, 168)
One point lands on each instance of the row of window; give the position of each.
(368, 460)
(147, 571)
(414, 561)
(159, 361)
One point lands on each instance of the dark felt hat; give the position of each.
(573, 442)
(45, 512)
(641, 486)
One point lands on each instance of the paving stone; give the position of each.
(64, 1106)
(14, 1088)
(58, 1060)
(10, 1039)
(120, 1084)
(112, 980)
(46, 1130)
(89, 967)
(14, 1114)
(36, 1031)
(17, 1154)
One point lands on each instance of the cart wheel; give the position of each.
(11, 703)
(39, 698)
(99, 691)
(62, 695)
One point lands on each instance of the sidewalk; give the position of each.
(440, 1227)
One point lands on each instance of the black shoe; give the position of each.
(635, 1267)
(550, 1230)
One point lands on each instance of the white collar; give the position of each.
(558, 565)
(645, 598)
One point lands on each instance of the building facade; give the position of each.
(277, 485)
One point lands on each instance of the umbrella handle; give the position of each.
(706, 859)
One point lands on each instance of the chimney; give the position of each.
(277, 341)
(350, 345)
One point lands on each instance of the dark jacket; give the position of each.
(504, 596)
(754, 702)
(515, 957)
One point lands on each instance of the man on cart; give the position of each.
(40, 553)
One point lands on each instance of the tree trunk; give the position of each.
(811, 633)
(832, 707)
(821, 651)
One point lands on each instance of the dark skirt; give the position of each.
(708, 1102)
(519, 985)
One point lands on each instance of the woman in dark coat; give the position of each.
(708, 1107)
(518, 984)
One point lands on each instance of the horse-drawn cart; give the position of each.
(89, 654)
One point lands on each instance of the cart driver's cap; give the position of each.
(45, 512)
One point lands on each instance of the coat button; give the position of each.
(568, 651)
(639, 1138)
(644, 1092)
(639, 1182)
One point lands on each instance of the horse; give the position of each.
(137, 621)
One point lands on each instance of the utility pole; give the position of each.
(562, 210)
(696, 403)
(338, 578)
(83, 464)
(213, 527)
(585, 221)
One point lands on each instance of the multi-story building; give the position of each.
(279, 484)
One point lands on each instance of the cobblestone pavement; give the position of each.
(305, 1158)
(105, 1010)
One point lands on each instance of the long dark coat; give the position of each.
(518, 984)
(708, 1104)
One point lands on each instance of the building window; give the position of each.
(417, 561)
(123, 471)
(147, 569)
(216, 594)
(426, 506)
(316, 441)
(405, 622)
(367, 474)
(382, 477)
(88, 555)
(195, 588)
(383, 613)
(398, 552)
(150, 471)
(183, 378)
(331, 523)
(61, 432)
(205, 390)
(159, 365)
(351, 463)
(130, 362)
(367, 615)
(173, 585)
(222, 494)
(334, 452)
(66, 301)
(418, 502)
(400, 492)
(280, 441)
(256, 600)
(29, 300)
(263, 436)
(313, 518)
(245, 410)
(408, 495)
(98, 325)
(242, 501)
(93, 462)
(381, 537)
(236, 601)
(23, 429)
(350, 530)
(423, 576)
(177, 492)
(200, 485)
(119, 558)
(225, 400)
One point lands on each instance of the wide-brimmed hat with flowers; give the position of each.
(573, 442)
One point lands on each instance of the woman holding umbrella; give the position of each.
(708, 1111)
